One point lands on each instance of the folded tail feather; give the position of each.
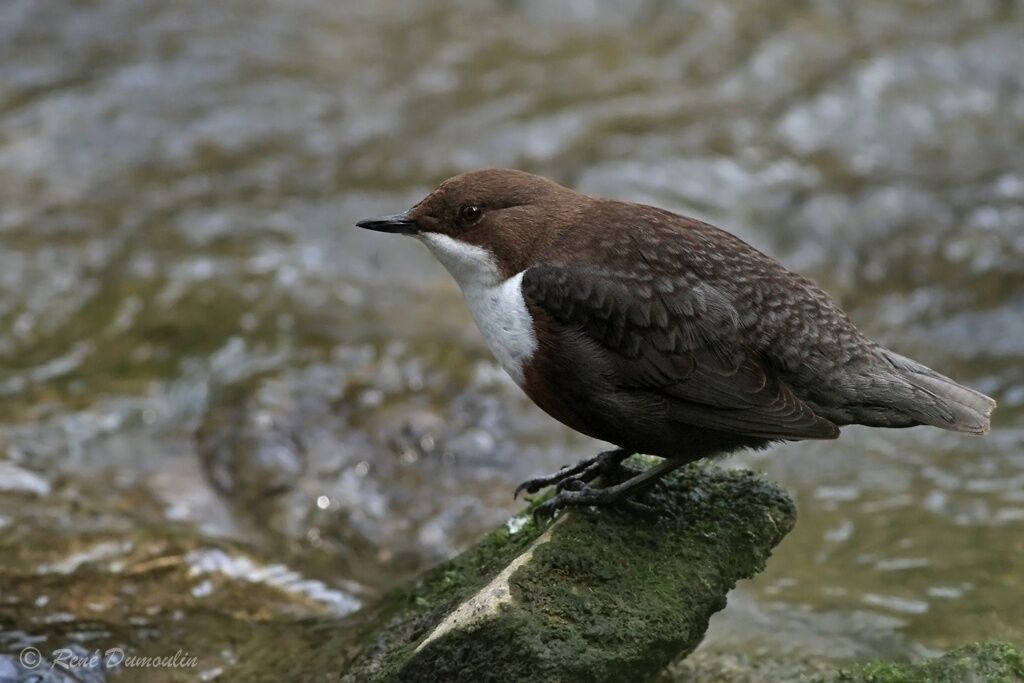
(942, 402)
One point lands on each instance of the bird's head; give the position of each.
(488, 224)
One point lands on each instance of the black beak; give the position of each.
(400, 224)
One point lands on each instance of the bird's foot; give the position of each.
(578, 476)
(573, 491)
(581, 493)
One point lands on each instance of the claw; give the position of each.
(585, 496)
(546, 510)
(571, 478)
(527, 486)
(589, 496)
(575, 491)
(533, 485)
(541, 514)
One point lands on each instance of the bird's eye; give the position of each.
(471, 213)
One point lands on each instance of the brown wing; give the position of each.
(675, 336)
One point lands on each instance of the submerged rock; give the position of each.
(989, 661)
(599, 595)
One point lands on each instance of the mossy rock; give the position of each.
(598, 595)
(989, 662)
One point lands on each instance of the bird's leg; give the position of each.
(608, 495)
(580, 473)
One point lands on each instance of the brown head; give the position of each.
(498, 214)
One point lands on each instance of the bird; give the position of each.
(659, 333)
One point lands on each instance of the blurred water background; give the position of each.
(228, 419)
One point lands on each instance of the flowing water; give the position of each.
(228, 419)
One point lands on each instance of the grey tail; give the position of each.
(941, 401)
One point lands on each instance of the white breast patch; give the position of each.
(497, 305)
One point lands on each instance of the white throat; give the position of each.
(497, 305)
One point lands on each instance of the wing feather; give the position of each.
(676, 338)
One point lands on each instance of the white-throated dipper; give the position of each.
(659, 333)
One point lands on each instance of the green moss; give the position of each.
(607, 595)
(991, 662)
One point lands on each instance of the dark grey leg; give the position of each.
(577, 475)
(608, 495)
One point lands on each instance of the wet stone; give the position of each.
(988, 661)
(248, 443)
(597, 595)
